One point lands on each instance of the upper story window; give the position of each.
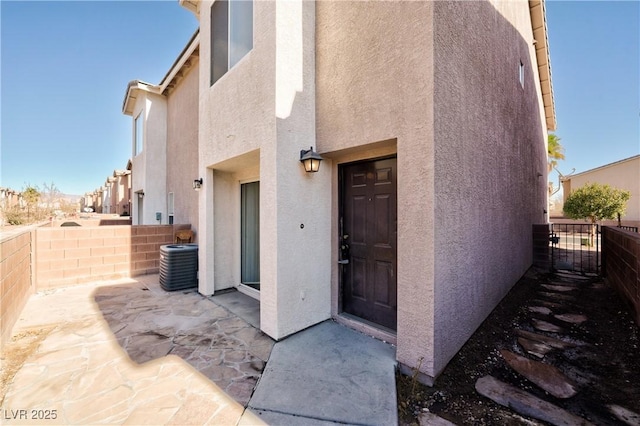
(521, 74)
(231, 34)
(137, 143)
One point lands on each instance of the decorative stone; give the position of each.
(241, 389)
(540, 310)
(557, 296)
(565, 284)
(546, 326)
(548, 304)
(560, 288)
(545, 376)
(430, 419)
(571, 318)
(550, 341)
(625, 415)
(537, 349)
(525, 403)
(572, 276)
(192, 340)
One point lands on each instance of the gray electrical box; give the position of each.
(158, 216)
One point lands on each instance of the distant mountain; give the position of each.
(71, 198)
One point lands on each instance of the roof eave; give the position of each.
(539, 27)
(192, 6)
(133, 88)
(183, 62)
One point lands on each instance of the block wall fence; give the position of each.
(76, 255)
(16, 283)
(51, 257)
(621, 264)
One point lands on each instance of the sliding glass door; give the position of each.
(250, 234)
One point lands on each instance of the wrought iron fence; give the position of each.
(575, 247)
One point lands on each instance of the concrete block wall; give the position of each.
(621, 264)
(15, 280)
(76, 255)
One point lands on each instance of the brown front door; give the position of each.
(368, 240)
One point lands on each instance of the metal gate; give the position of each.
(575, 247)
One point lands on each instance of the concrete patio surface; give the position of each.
(328, 373)
(127, 352)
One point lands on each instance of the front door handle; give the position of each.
(343, 262)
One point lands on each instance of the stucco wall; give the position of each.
(490, 162)
(182, 147)
(149, 167)
(226, 189)
(374, 97)
(624, 174)
(236, 115)
(258, 117)
(303, 211)
(470, 146)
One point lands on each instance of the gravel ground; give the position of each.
(605, 365)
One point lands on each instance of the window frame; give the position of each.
(138, 134)
(170, 206)
(223, 57)
(521, 74)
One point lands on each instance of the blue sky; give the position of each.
(65, 67)
(595, 66)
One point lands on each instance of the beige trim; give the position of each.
(539, 27)
(131, 95)
(615, 163)
(192, 6)
(187, 58)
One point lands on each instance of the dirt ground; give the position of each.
(605, 365)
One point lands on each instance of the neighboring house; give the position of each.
(86, 202)
(432, 119)
(121, 192)
(165, 143)
(9, 198)
(98, 195)
(106, 197)
(623, 174)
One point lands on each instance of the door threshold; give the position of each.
(366, 327)
(249, 291)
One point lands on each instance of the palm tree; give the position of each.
(555, 151)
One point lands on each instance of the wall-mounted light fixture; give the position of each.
(140, 194)
(197, 184)
(311, 160)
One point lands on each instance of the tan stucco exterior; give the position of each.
(459, 92)
(253, 123)
(470, 146)
(490, 163)
(623, 174)
(182, 147)
(168, 162)
(149, 171)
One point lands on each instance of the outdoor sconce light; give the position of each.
(140, 195)
(197, 184)
(311, 160)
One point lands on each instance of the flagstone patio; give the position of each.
(129, 353)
